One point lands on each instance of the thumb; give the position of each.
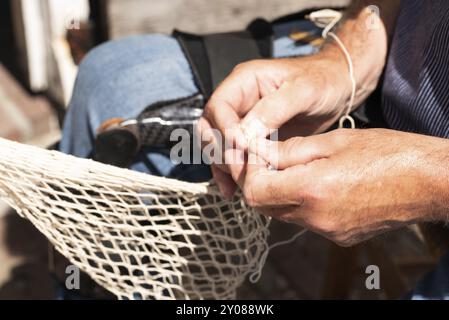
(295, 151)
(264, 118)
(273, 111)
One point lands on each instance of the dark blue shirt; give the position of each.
(416, 85)
(416, 93)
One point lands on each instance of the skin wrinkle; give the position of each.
(354, 34)
(263, 89)
(395, 170)
(273, 191)
(259, 87)
(244, 97)
(378, 164)
(348, 185)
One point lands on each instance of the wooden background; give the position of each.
(161, 16)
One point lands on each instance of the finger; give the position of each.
(211, 145)
(233, 98)
(224, 182)
(271, 112)
(223, 117)
(231, 162)
(235, 161)
(241, 89)
(264, 187)
(201, 131)
(295, 151)
(289, 214)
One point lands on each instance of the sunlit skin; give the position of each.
(347, 185)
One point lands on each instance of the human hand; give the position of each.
(301, 95)
(349, 185)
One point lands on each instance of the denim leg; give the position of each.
(284, 46)
(121, 78)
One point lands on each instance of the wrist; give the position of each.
(337, 83)
(365, 47)
(338, 69)
(440, 180)
(434, 171)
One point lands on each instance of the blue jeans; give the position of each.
(121, 78)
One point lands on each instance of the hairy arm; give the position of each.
(316, 93)
(350, 185)
(366, 36)
(300, 96)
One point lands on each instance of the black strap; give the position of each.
(195, 52)
(212, 57)
(227, 50)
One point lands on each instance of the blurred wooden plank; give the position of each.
(40, 28)
(161, 16)
(29, 26)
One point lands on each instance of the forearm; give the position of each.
(366, 36)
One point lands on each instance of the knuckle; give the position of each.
(310, 149)
(340, 137)
(207, 111)
(344, 239)
(327, 226)
(248, 65)
(210, 107)
(241, 67)
(344, 242)
(343, 133)
(289, 147)
(333, 229)
(210, 111)
(267, 116)
(249, 194)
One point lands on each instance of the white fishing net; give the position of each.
(137, 235)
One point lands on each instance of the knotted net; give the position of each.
(137, 235)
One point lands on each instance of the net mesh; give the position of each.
(137, 235)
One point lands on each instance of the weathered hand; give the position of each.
(302, 95)
(349, 185)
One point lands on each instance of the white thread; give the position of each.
(347, 115)
(255, 276)
(315, 17)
